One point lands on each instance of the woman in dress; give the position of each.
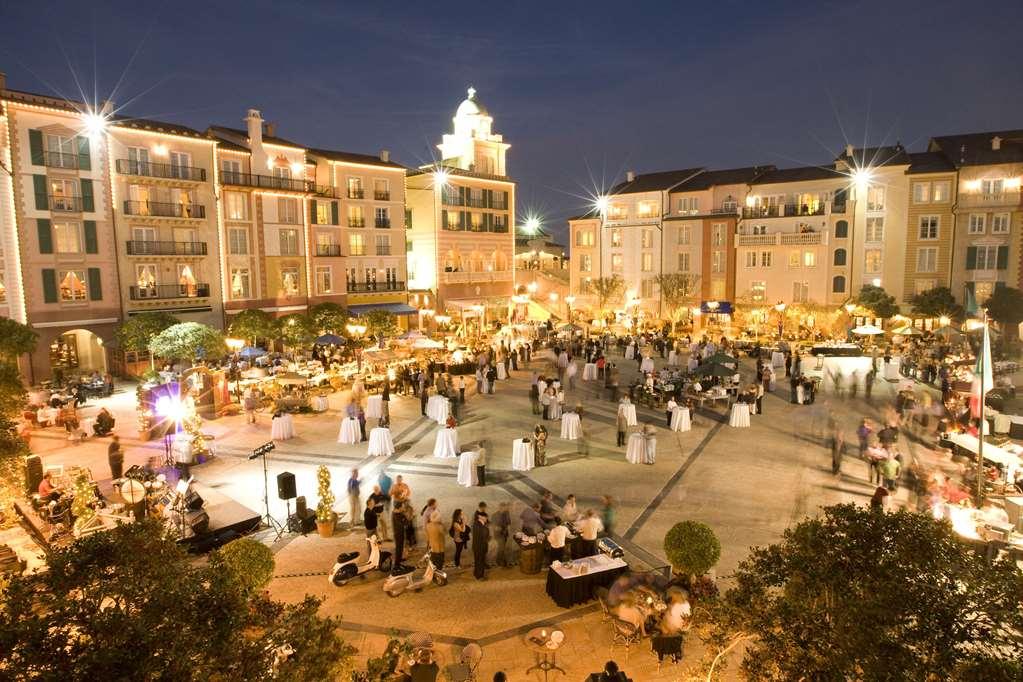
(460, 534)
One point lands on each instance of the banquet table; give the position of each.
(680, 419)
(446, 444)
(740, 415)
(570, 426)
(647, 365)
(589, 371)
(629, 410)
(522, 455)
(350, 433)
(570, 586)
(502, 373)
(467, 468)
(374, 407)
(282, 427)
(380, 442)
(635, 452)
(319, 403)
(438, 408)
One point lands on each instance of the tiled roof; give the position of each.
(929, 162)
(43, 100)
(352, 157)
(227, 144)
(731, 176)
(797, 175)
(653, 182)
(269, 139)
(974, 149)
(875, 157)
(155, 126)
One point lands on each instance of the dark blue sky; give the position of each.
(581, 90)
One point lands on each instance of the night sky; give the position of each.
(582, 91)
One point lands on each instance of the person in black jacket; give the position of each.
(480, 542)
(399, 521)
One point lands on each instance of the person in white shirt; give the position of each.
(676, 619)
(589, 527)
(556, 539)
(669, 408)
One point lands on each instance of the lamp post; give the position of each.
(424, 312)
(569, 301)
(355, 331)
(780, 307)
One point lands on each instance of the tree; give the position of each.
(677, 290)
(607, 290)
(188, 341)
(381, 324)
(692, 548)
(936, 302)
(16, 339)
(253, 324)
(1005, 306)
(857, 594)
(135, 333)
(296, 330)
(329, 318)
(878, 301)
(248, 560)
(130, 603)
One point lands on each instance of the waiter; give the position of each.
(556, 540)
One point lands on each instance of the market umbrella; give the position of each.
(713, 369)
(329, 340)
(867, 330)
(722, 359)
(569, 327)
(250, 352)
(909, 331)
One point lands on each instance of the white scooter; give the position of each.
(412, 579)
(346, 567)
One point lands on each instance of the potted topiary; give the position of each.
(248, 561)
(326, 518)
(692, 548)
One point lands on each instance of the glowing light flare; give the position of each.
(876, 281)
(570, 300)
(94, 124)
(532, 224)
(160, 150)
(297, 168)
(441, 177)
(602, 203)
(862, 176)
(944, 320)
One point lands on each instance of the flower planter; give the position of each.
(325, 528)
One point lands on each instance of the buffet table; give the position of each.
(568, 586)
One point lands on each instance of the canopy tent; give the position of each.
(867, 330)
(722, 359)
(250, 352)
(329, 340)
(713, 369)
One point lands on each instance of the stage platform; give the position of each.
(228, 520)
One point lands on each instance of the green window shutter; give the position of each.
(88, 203)
(95, 288)
(1003, 257)
(49, 285)
(971, 258)
(333, 213)
(972, 288)
(444, 219)
(45, 231)
(91, 243)
(35, 146)
(461, 196)
(39, 184)
(505, 199)
(312, 211)
(84, 155)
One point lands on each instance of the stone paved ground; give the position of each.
(747, 484)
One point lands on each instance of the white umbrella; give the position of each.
(867, 330)
(909, 331)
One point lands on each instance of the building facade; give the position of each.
(930, 224)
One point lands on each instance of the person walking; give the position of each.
(354, 505)
(459, 533)
(435, 539)
(534, 398)
(669, 409)
(607, 513)
(461, 389)
(890, 473)
(481, 463)
(621, 425)
(250, 403)
(115, 457)
(424, 398)
(480, 541)
(837, 450)
(502, 531)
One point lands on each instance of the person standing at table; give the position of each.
(480, 541)
(760, 389)
(788, 363)
(115, 457)
(670, 409)
(570, 511)
(385, 405)
(589, 527)
(354, 505)
(621, 425)
(361, 416)
(556, 539)
(370, 521)
(481, 463)
(460, 534)
(461, 389)
(435, 539)
(502, 531)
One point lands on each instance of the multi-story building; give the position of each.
(584, 236)
(986, 242)
(930, 223)
(460, 212)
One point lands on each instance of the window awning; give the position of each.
(396, 308)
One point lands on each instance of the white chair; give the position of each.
(468, 664)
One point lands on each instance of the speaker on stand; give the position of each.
(286, 491)
(304, 519)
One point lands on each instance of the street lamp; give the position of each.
(355, 331)
(780, 307)
(531, 287)
(569, 302)
(424, 312)
(944, 320)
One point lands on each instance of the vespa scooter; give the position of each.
(413, 579)
(346, 567)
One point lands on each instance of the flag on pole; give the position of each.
(970, 303)
(983, 378)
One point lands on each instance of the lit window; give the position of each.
(928, 227)
(289, 242)
(237, 205)
(875, 198)
(758, 291)
(941, 191)
(237, 241)
(794, 259)
(809, 259)
(355, 188)
(72, 285)
(685, 234)
(648, 262)
(616, 236)
(616, 262)
(872, 261)
(875, 230)
(324, 280)
(648, 239)
(290, 282)
(717, 261)
(921, 192)
(68, 237)
(922, 285)
(683, 262)
(1000, 223)
(927, 259)
(356, 245)
(585, 262)
(240, 283)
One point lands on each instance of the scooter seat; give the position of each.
(345, 557)
(402, 570)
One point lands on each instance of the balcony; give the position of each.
(499, 205)
(154, 248)
(475, 277)
(328, 250)
(165, 171)
(64, 203)
(60, 160)
(475, 202)
(756, 239)
(356, 222)
(263, 181)
(383, 222)
(382, 196)
(160, 209)
(782, 239)
(726, 209)
(163, 292)
(782, 211)
(356, 193)
(383, 250)
(983, 199)
(374, 287)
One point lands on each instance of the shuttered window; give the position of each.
(49, 285)
(45, 232)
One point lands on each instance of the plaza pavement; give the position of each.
(747, 484)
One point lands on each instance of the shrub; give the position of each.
(249, 561)
(325, 507)
(692, 548)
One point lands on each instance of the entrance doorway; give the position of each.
(78, 351)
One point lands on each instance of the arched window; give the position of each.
(475, 262)
(839, 256)
(842, 229)
(838, 284)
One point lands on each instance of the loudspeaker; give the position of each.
(33, 474)
(192, 501)
(300, 506)
(198, 521)
(286, 486)
(304, 519)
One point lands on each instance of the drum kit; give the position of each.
(180, 506)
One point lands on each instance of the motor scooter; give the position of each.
(409, 578)
(347, 567)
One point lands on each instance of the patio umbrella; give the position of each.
(713, 369)
(867, 330)
(722, 359)
(250, 352)
(909, 331)
(329, 340)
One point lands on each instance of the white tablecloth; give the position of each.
(374, 407)
(992, 453)
(320, 403)
(589, 371)
(630, 413)
(651, 450)
(680, 419)
(282, 428)
(446, 444)
(47, 415)
(522, 455)
(630, 352)
(570, 426)
(467, 469)
(647, 365)
(380, 443)
(740, 415)
(350, 433)
(554, 411)
(502, 373)
(437, 408)
(673, 358)
(635, 452)
(777, 359)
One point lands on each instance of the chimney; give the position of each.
(3, 80)
(254, 126)
(270, 128)
(630, 176)
(385, 155)
(849, 150)
(996, 143)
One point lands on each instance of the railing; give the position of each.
(137, 247)
(382, 196)
(989, 199)
(756, 240)
(474, 202)
(368, 287)
(383, 250)
(163, 209)
(64, 203)
(783, 211)
(782, 239)
(462, 227)
(383, 222)
(60, 160)
(464, 277)
(263, 181)
(168, 291)
(725, 210)
(356, 222)
(328, 249)
(838, 208)
(499, 205)
(167, 171)
(356, 193)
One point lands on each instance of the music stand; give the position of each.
(267, 518)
